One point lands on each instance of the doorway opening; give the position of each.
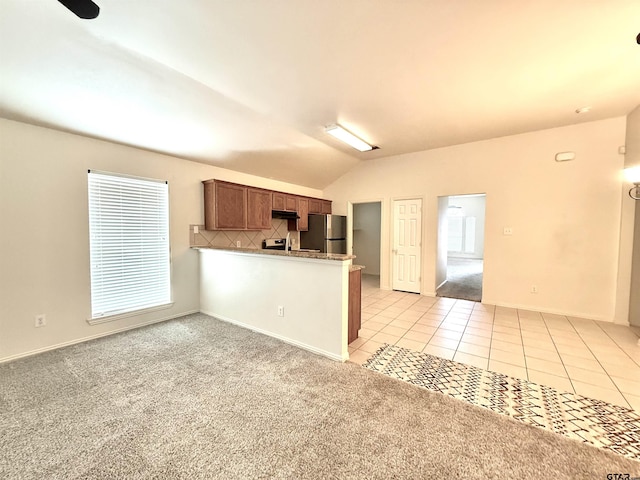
(366, 238)
(460, 259)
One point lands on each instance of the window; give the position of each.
(129, 244)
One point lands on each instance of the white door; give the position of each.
(407, 244)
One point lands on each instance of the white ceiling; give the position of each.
(249, 85)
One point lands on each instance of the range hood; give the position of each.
(284, 215)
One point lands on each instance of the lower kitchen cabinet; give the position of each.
(355, 303)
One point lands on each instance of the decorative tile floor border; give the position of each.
(591, 421)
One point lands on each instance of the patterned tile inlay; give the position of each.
(591, 421)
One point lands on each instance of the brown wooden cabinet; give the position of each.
(355, 303)
(291, 203)
(284, 202)
(258, 209)
(225, 206)
(302, 223)
(303, 213)
(278, 201)
(315, 205)
(230, 206)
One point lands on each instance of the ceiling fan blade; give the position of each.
(82, 8)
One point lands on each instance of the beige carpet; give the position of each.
(464, 279)
(198, 398)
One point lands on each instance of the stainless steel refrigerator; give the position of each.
(327, 233)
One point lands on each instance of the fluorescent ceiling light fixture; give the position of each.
(349, 138)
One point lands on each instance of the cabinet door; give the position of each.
(278, 201)
(326, 207)
(230, 206)
(258, 209)
(303, 213)
(209, 205)
(291, 203)
(355, 293)
(315, 205)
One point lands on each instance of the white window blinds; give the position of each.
(129, 244)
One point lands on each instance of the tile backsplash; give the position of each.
(228, 238)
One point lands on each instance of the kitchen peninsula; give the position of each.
(299, 297)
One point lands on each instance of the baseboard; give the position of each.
(440, 285)
(290, 341)
(92, 337)
(550, 311)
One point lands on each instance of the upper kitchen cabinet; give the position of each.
(303, 213)
(278, 201)
(259, 204)
(225, 206)
(302, 223)
(230, 206)
(291, 203)
(315, 205)
(284, 202)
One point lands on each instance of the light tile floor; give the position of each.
(595, 359)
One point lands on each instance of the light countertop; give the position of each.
(282, 253)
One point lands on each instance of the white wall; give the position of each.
(44, 243)
(631, 211)
(314, 294)
(442, 240)
(472, 206)
(565, 216)
(366, 236)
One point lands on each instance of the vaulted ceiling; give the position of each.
(249, 85)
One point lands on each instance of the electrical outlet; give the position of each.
(41, 320)
(508, 231)
(534, 289)
(238, 244)
(196, 229)
(280, 311)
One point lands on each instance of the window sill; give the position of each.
(133, 313)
